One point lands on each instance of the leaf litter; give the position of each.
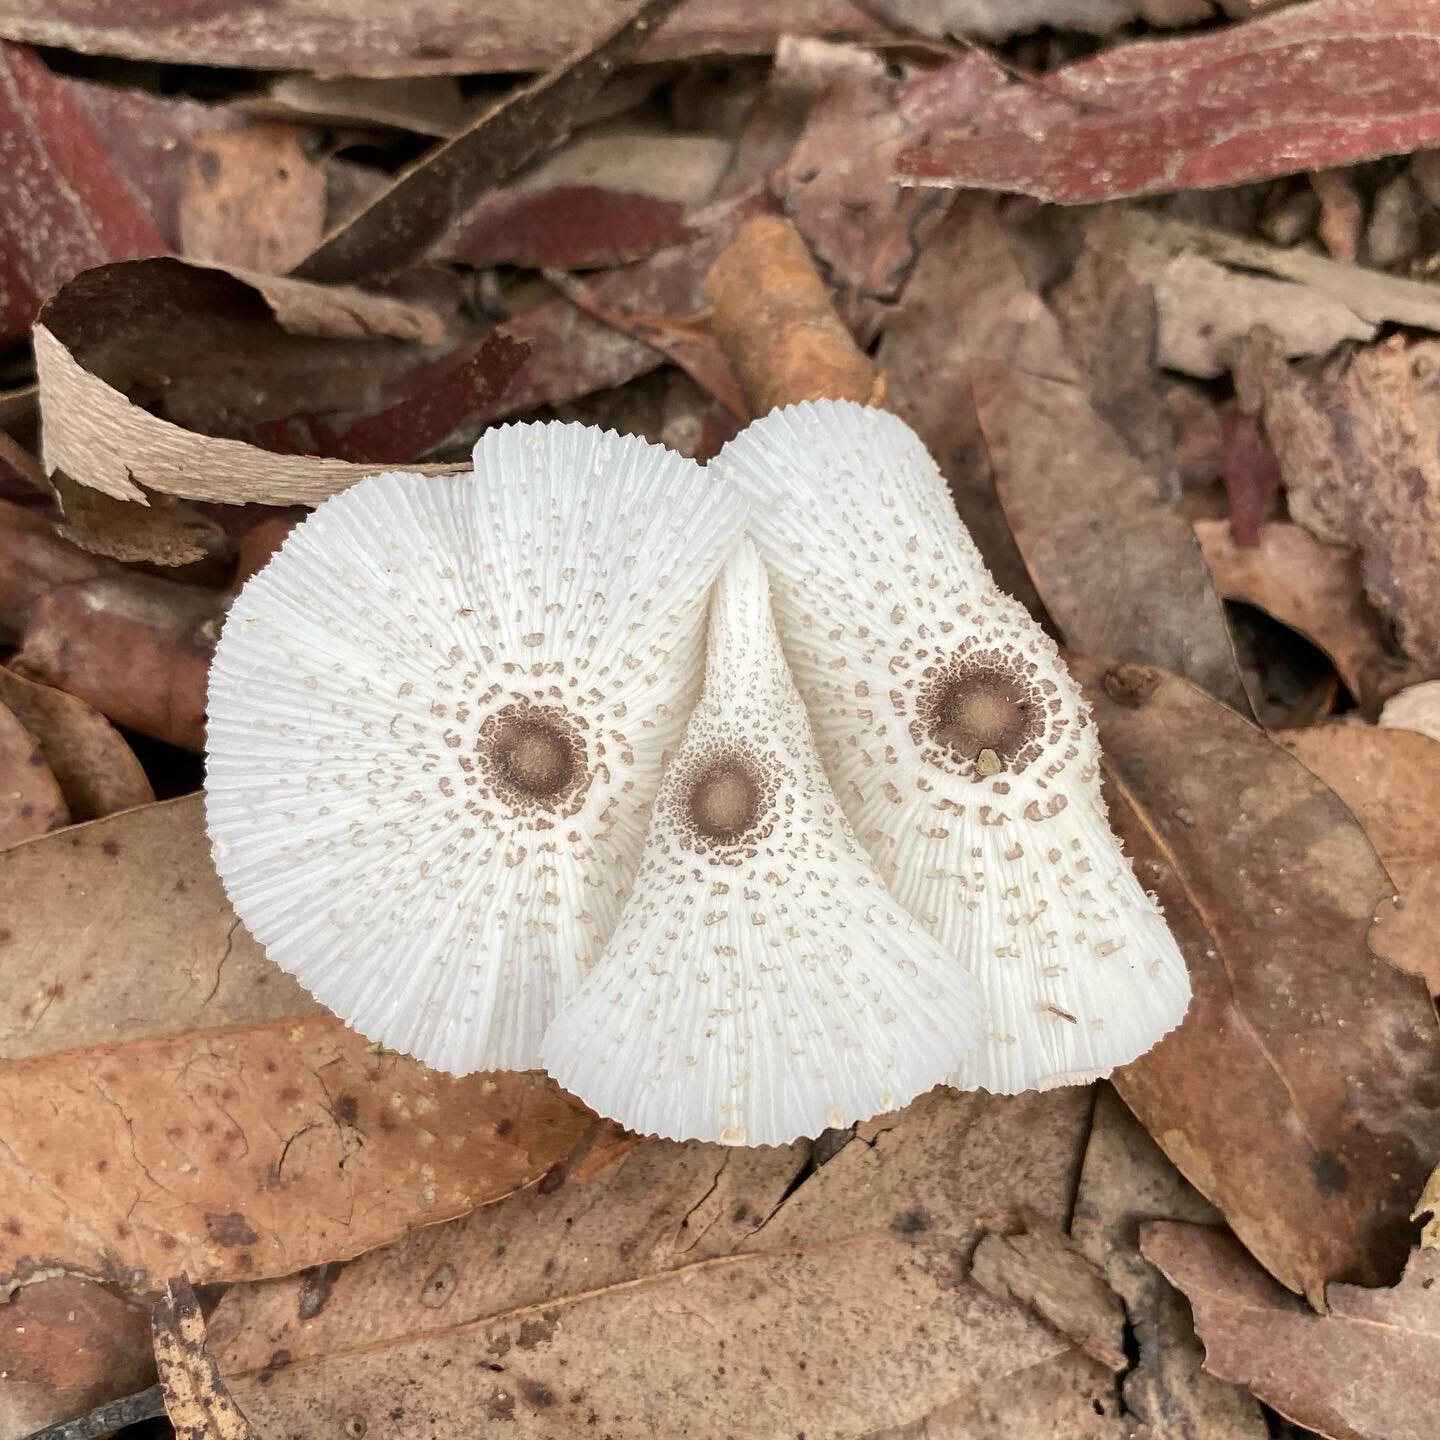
(1195, 436)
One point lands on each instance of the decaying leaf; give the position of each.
(1363, 1371)
(1415, 708)
(97, 772)
(196, 1400)
(66, 1345)
(1296, 1032)
(284, 1140)
(1126, 1180)
(1361, 467)
(163, 530)
(967, 303)
(1041, 1268)
(253, 198)
(1324, 84)
(31, 802)
(739, 1291)
(1391, 780)
(1312, 587)
(1115, 563)
(424, 200)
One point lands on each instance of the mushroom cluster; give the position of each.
(520, 768)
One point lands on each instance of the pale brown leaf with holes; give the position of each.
(1391, 780)
(739, 1280)
(1302, 1093)
(1365, 1370)
(285, 1140)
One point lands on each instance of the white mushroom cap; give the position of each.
(437, 723)
(762, 983)
(958, 744)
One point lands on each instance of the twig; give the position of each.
(107, 1418)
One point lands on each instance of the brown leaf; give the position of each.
(196, 1400)
(1126, 1180)
(1102, 558)
(1251, 477)
(30, 800)
(1342, 213)
(96, 770)
(253, 198)
(774, 320)
(176, 1100)
(1302, 1093)
(342, 37)
(136, 360)
(738, 1280)
(968, 302)
(400, 223)
(162, 530)
(63, 206)
(1040, 1268)
(1317, 85)
(1391, 780)
(1416, 708)
(67, 1345)
(1364, 1371)
(1313, 588)
(1360, 464)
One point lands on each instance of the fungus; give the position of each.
(762, 984)
(958, 745)
(437, 724)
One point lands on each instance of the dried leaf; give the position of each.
(196, 1400)
(63, 206)
(343, 37)
(424, 200)
(1302, 1094)
(1391, 780)
(426, 104)
(1126, 1179)
(253, 198)
(1041, 1268)
(1342, 214)
(30, 800)
(724, 1271)
(96, 770)
(969, 302)
(163, 530)
(1251, 477)
(147, 332)
(1360, 464)
(1102, 559)
(1313, 588)
(67, 1345)
(1364, 1371)
(1428, 1208)
(777, 327)
(284, 1140)
(1318, 85)
(1417, 708)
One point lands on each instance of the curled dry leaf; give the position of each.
(1391, 780)
(424, 200)
(283, 1141)
(1312, 587)
(196, 1400)
(30, 799)
(1302, 1093)
(1040, 1267)
(67, 1345)
(1102, 556)
(253, 198)
(1363, 1371)
(163, 334)
(777, 326)
(1317, 85)
(725, 1271)
(97, 772)
(341, 37)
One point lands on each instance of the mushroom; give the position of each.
(959, 746)
(437, 722)
(762, 984)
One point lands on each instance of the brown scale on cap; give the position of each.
(723, 799)
(983, 714)
(535, 758)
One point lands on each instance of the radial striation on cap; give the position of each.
(762, 983)
(958, 744)
(437, 724)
